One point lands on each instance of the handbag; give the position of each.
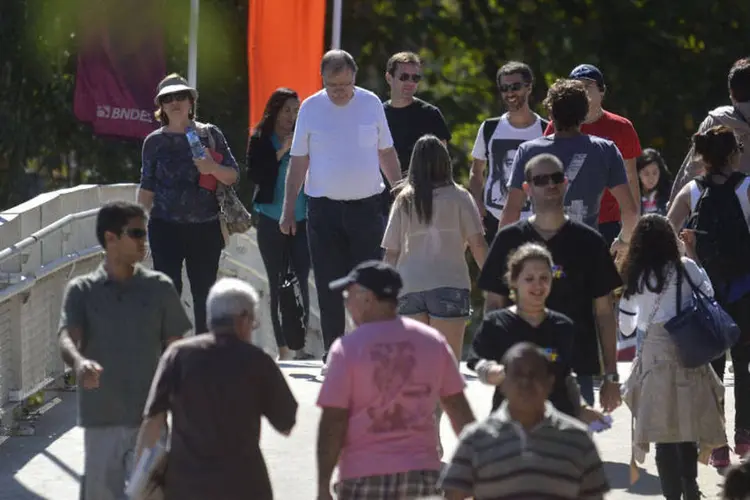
(292, 314)
(233, 215)
(703, 331)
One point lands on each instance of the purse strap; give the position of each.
(657, 303)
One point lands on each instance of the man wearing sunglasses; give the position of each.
(584, 276)
(497, 141)
(114, 324)
(409, 117)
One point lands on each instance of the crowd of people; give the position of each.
(579, 235)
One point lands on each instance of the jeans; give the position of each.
(586, 385)
(677, 464)
(439, 303)
(199, 245)
(272, 243)
(341, 234)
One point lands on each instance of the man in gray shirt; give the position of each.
(591, 164)
(114, 324)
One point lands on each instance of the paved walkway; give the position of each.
(49, 464)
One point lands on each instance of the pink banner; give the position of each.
(120, 63)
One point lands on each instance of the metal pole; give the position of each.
(336, 35)
(193, 44)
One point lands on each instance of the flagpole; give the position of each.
(193, 44)
(336, 35)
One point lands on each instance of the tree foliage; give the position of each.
(665, 65)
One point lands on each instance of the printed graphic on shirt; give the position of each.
(402, 401)
(503, 152)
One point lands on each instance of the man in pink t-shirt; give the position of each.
(383, 383)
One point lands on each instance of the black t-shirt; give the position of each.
(502, 329)
(409, 123)
(584, 271)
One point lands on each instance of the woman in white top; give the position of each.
(677, 408)
(431, 222)
(720, 153)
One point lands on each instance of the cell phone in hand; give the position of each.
(602, 424)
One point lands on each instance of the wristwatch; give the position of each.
(613, 378)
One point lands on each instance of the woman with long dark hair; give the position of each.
(179, 191)
(431, 223)
(267, 163)
(720, 153)
(675, 407)
(655, 182)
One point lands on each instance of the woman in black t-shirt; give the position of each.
(529, 276)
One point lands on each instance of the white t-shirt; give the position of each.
(342, 143)
(503, 145)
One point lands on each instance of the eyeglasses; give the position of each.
(512, 87)
(545, 179)
(414, 77)
(136, 233)
(179, 96)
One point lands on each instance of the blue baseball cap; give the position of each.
(380, 278)
(588, 72)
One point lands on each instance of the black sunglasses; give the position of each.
(179, 96)
(512, 87)
(405, 77)
(545, 179)
(136, 233)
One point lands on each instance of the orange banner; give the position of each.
(284, 48)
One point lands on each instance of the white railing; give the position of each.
(50, 239)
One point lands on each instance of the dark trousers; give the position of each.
(199, 245)
(272, 244)
(490, 227)
(677, 464)
(740, 312)
(342, 234)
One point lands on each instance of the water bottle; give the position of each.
(196, 148)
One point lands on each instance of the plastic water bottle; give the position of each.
(196, 148)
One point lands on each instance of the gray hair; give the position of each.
(337, 60)
(545, 158)
(228, 299)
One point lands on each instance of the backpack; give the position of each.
(490, 125)
(722, 236)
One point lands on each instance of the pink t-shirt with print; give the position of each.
(390, 375)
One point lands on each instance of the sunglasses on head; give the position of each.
(179, 96)
(545, 179)
(136, 233)
(414, 77)
(512, 87)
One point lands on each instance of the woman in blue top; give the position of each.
(180, 194)
(268, 160)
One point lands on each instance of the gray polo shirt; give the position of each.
(125, 325)
(497, 459)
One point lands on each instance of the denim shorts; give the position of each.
(439, 303)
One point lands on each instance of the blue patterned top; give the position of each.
(169, 172)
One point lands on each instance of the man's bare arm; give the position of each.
(458, 410)
(145, 198)
(334, 423)
(513, 205)
(149, 433)
(295, 177)
(604, 312)
(476, 183)
(494, 301)
(628, 209)
(70, 345)
(633, 183)
(389, 165)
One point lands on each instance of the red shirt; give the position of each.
(619, 130)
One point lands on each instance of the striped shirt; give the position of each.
(497, 459)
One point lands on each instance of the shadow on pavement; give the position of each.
(18, 451)
(307, 376)
(619, 479)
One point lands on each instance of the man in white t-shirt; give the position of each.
(497, 141)
(341, 141)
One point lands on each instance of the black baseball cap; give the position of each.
(588, 72)
(380, 278)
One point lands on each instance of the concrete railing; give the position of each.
(50, 239)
